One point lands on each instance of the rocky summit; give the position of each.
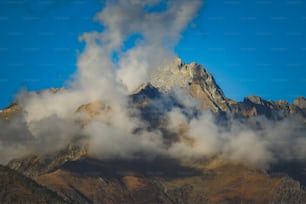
(73, 175)
(193, 77)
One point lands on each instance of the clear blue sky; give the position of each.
(250, 46)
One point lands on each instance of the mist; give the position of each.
(108, 72)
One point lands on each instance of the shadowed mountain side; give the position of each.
(295, 169)
(116, 168)
(16, 188)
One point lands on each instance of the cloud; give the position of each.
(273, 142)
(50, 120)
(159, 31)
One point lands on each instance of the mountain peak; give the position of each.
(194, 77)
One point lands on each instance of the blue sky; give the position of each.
(251, 47)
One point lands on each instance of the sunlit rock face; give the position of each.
(195, 78)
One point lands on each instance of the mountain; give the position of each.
(79, 177)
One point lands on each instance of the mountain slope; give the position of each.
(165, 181)
(16, 188)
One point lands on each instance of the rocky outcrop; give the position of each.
(10, 111)
(86, 112)
(300, 102)
(35, 165)
(274, 110)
